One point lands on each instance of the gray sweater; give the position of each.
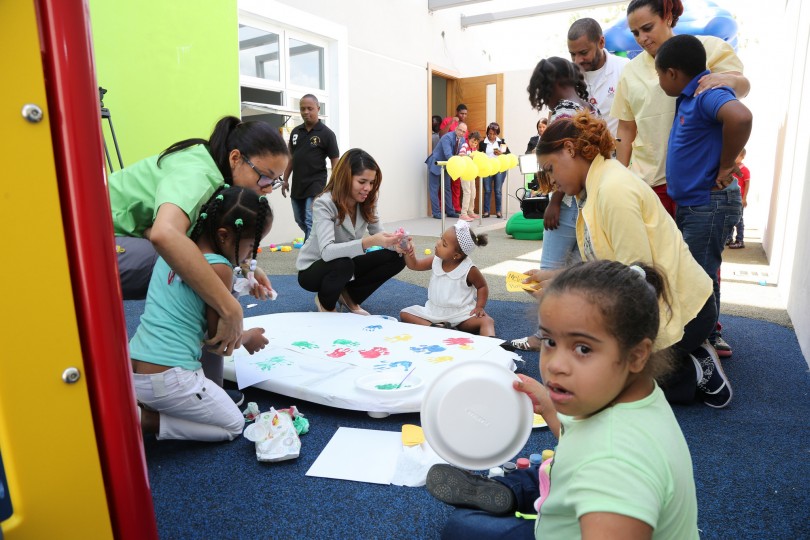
(329, 240)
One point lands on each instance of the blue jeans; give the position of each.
(740, 231)
(497, 179)
(302, 213)
(705, 229)
(435, 184)
(559, 244)
(474, 524)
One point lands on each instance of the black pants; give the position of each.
(370, 271)
(680, 386)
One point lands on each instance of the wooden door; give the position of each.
(472, 91)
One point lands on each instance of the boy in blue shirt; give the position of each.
(708, 132)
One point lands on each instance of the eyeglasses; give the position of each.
(263, 180)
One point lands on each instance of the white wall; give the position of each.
(785, 238)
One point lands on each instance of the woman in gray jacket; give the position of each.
(333, 262)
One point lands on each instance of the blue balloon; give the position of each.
(700, 18)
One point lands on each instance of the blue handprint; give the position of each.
(428, 349)
(404, 363)
(373, 328)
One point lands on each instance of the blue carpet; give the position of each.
(751, 459)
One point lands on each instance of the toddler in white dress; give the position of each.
(458, 291)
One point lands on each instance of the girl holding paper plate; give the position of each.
(622, 467)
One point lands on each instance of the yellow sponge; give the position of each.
(412, 435)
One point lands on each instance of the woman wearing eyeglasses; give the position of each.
(336, 261)
(156, 200)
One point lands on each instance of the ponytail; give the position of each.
(251, 138)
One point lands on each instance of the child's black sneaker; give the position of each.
(714, 385)
(458, 487)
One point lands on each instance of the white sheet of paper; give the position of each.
(362, 455)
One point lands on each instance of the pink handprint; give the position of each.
(458, 341)
(374, 352)
(339, 352)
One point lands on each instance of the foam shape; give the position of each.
(286, 248)
(412, 435)
(427, 252)
(524, 229)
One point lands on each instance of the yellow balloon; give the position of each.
(481, 161)
(455, 166)
(503, 161)
(494, 165)
(470, 170)
(513, 160)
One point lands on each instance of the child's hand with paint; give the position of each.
(261, 287)
(253, 340)
(403, 239)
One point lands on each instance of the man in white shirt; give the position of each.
(602, 70)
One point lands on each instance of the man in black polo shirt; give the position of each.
(310, 144)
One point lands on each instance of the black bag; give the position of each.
(532, 207)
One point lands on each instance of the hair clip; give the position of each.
(262, 197)
(639, 270)
(238, 222)
(226, 186)
(203, 215)
(220, 198)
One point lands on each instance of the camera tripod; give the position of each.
(105, 113)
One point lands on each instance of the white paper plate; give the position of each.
(385, 384)
(473, 418)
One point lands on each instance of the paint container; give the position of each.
(508, 467)
(523, 463)
(495, 472)
(547, 454)
(535, 459)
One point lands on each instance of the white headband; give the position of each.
(464, 237)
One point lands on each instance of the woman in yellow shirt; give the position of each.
(644, 111)
(621, 219)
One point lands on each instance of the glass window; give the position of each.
(306, 64)
(258, 53)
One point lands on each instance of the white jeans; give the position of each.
(191, 407)
(467, 196)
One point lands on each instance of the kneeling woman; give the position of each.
(333, 262)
